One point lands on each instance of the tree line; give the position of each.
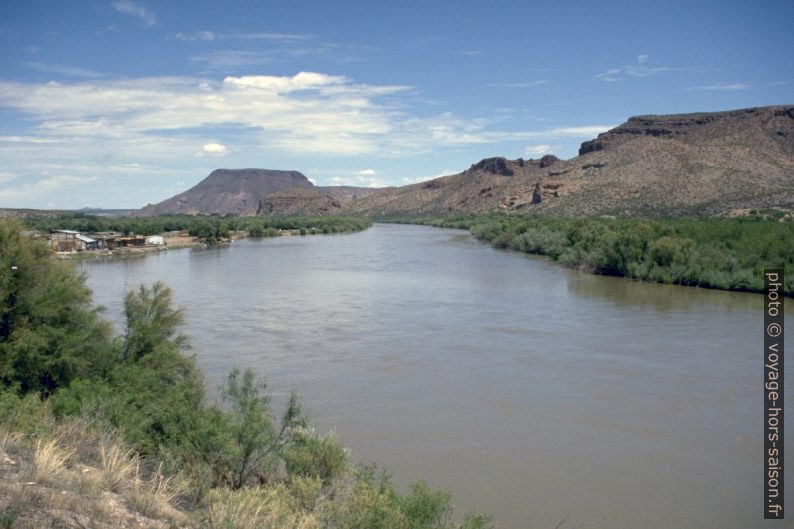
(206, 227)
(721, 253)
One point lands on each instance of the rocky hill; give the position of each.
(704, 163)
(225, 191)
(710, 163)
(314, 201)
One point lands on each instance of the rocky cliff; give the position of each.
(709, 163)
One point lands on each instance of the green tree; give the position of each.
(49, 332)
(254, 444)
(151, 323)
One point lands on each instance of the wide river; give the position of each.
(531, 391)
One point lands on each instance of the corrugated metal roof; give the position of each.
(70, 232)
(84, 238)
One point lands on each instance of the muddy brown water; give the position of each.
(531, 391)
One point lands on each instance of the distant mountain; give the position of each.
(101, 212)
(705, 163)
(225, 191)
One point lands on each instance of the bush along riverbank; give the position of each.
(104, 431)
(193, 230)
(726, 254)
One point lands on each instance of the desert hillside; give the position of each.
(709, 163)
(704, 163)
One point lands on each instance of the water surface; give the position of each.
(529, 390)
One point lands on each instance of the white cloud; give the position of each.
(637, 70)
(71, 71)
(265, 35)
(539, 150)
(577, 132)
(213, 149)
(6, 177)
(358, 181)
(210, 36)
(301, 81)
(25, 139)
(526, 84)
(229, 59)
(723, 86)
(207, 36)
(158, 129)
(46, 186)
(612, 74)
(445, 172)
(127, 7)
(367, 172)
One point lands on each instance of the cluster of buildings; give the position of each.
(74, 241)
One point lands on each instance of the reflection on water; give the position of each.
(665, 298)
(530, 390)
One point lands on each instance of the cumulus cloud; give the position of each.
(539, 150)
(127, 7)
(213, 149)
(358, 181)
(160, 127)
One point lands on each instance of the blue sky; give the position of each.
(119, 103)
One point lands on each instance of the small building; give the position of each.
(71, 241)
(86, 243)
(155, 240)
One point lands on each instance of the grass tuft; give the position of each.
(117, 466)
(50, 462)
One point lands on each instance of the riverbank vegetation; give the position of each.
(116, 431)
(727, 254)
(209, 228)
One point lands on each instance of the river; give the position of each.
(531, 391)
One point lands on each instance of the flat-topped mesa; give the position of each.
(700, 126)
(236, 191)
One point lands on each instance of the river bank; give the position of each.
(180, 231)
(717, 253)
(530, 390)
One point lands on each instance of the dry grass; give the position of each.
(153, 496)
(117, 465)
(70, 475)
(260, 508)
(50, 462)
(10, 443)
